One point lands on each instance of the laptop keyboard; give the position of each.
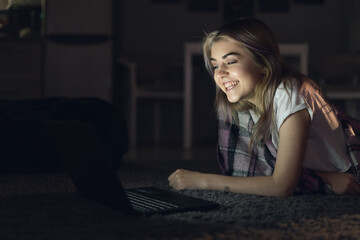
(146, 204)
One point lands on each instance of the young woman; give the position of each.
(277, 133)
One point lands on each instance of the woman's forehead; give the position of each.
(224, 44)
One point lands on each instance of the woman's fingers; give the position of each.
(184, 179)
(175, 179)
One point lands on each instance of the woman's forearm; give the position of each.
(261, 185)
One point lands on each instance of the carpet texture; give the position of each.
(46, 206)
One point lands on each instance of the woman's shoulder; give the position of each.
(293, 95)
(289, 98)
(303, 87)
(287, 89)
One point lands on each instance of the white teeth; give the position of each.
(230, 84)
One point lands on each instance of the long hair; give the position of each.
(260, 43)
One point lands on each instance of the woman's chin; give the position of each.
(232, 98)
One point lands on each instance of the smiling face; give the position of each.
(234, 70)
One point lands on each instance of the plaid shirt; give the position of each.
(235, 159)
(352, 138)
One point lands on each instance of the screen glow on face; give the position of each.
(234, 70)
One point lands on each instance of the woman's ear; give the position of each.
(265, 71)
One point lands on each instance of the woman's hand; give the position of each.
(341, 183)
(184, 179)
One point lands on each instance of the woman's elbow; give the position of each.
(284, 191)
(285, 194)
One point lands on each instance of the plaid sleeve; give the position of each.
(310, 182)
(352, 138)
(227, 140)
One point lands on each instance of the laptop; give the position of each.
(95, 179)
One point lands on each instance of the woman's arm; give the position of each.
(341, 183)
(292, 143)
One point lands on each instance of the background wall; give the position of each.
(330, 30)
(155, 32)
(3, 4)
(161, 28)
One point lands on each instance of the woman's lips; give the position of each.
(230, 85)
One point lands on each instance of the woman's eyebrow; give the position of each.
(226, 55)
(230, 53)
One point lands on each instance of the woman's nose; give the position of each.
(222, 72)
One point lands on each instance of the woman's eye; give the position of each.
(231, 62)
(214, 67)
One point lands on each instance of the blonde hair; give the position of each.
(262, 46)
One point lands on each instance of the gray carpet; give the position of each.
(46, 206)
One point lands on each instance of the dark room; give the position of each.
(167, 119)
